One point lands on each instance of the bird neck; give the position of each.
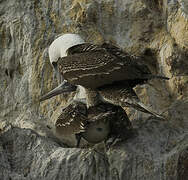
(80, 94)
(92, 97)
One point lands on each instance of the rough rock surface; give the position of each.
(157, 29)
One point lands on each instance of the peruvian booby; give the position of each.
(104, 68)
(76, 120)
(91, 119)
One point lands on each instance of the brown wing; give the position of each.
(72, 119)
(119, 94)
(93, 66)
(82, 48)
(137, 62)
(123, 95)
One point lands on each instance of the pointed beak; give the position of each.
(63, 87)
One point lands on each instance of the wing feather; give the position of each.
(94, 66)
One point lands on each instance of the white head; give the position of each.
(60, 45)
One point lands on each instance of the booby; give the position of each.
(86, 116)
(91, 119)
(104, 68)
(75, 120)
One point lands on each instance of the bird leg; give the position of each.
(78, 138)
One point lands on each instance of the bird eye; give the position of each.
(99, 129)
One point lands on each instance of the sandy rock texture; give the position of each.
(157, 29)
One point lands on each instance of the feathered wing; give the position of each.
(72, 119)
(137, 62)
(88, 66)
(124, 96)
(87, 63)
(85, 47)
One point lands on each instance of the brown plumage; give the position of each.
(95, 124)
(123, 95)
(108, 70)
(93, 66)
(72, 119)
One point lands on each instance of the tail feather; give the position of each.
(158, 77)
(143, 108)
(161, 77)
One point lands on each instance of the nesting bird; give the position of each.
(108, 76)
(104, 68)
(91, 119)
(94, 124)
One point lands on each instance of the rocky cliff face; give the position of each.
(157, 29)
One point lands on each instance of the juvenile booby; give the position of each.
(93, 120)
(105, 68)
(75, 120)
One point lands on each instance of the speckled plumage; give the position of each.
(93, 120)
(95, 124)
(123, 95)
(72, 119)
(93, 66)
(108, 70)
(108, 74)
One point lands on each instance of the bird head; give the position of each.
(58, 49)
(59, 46)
